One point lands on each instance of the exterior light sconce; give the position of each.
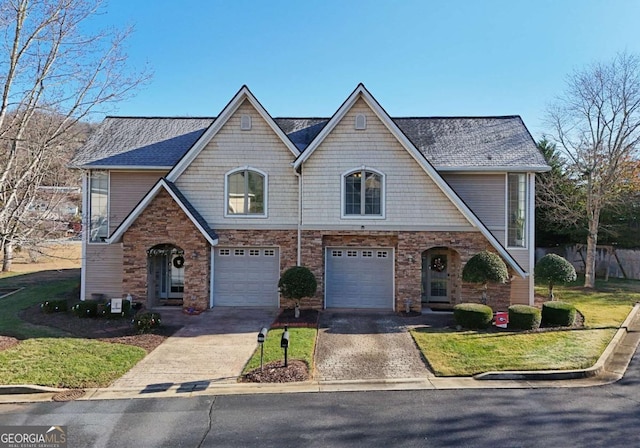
(195, 255)
(411, 259)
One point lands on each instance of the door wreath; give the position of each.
(178, 262)
(438, 265)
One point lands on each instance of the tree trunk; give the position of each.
(592, 242)
(8, 256)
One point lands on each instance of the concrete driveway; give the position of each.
(212, 347)
(360, 345)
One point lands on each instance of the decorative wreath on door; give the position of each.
(438, 265)
(178, 262)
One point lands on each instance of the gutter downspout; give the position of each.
(84, 234)
(299, 247)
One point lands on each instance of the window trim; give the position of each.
(383, 184)
(527, 214)
(89, 203)
(265, 187)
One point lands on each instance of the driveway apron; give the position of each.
(361, 345)
(212, 347)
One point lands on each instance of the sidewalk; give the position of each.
(609, 368)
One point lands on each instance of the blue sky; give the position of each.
(417, 57)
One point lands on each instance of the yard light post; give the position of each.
(262, 335)
(284, 343)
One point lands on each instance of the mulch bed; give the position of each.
(276, 372)
(307, 319)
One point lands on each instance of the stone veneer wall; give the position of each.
(164, 222)
(408, 261)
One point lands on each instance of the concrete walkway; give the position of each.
(212, 347)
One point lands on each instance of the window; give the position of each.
(383, 254)
(98, 206)
(336, 253)
(238, 252)
(352, 253)
(254, 252)
(367, 254)
(224, 252)
(246, 193)
(269, 252)
(363, 191)
(517, 210)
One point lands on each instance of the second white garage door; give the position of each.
(359, 277)
(246, 276)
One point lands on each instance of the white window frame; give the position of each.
(527, 214)
(343, 189)
(88, 211)
(265, 214)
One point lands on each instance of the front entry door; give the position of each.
(435, 276)
(171, 276)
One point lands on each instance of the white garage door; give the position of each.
(359, 277)
(246, 276)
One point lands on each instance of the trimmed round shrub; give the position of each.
(147, 321)
(472, 315)
(297, 282)
(86, 308)
(553, 269)
(558, 314)
(485, 267)
(54, 306)
(524, 317)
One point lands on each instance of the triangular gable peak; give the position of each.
(244, 94)
(182, 202)
(362, 93)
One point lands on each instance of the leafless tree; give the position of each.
(54, 75)
(597, 126)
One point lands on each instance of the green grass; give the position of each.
(10, 322)
(66, 362)
(302, 342)
(455, 353)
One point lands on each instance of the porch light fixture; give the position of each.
(195, 255)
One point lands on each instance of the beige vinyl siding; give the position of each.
(103, 270)
(520, 291)
(126, 189)
(412, 199)
(203, 181)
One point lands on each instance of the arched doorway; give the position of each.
(166, 275)
(436, 275)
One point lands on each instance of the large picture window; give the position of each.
(98, 206)
(363, 193)
(246, 193)
(517, 210)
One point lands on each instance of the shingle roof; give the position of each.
(447, 142)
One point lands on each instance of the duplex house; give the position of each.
(205, 212)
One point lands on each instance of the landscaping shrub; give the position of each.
(485, 267)
(558, 314)
(554, 269)
(296, 283)
(147, 321)
(106, 310)
(472, 315)
(524, 317)
(86, 308)
(54, 306)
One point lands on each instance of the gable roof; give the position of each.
(244, 94)
(363, 93)
(195, 217)
(140, 142)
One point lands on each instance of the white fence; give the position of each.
(617, 263)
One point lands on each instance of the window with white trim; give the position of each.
(246, 192)
(238, 252)
(254, 252)
(224, 252)
(383, 254)
(517, 210)
(269, 252)
(336, 253)
(363, 193)
(98, 206)
(352, 253)
(367, 254)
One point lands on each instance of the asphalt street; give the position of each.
(603, 416)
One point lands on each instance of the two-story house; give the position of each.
(205, 212)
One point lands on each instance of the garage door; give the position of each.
(246, 276)
(359, 278)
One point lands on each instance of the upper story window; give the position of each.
(246, 192)
(98, 206)
(363, 192)
(517, 210)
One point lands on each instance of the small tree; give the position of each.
(485, 267)
(296, 283)
(553, 268)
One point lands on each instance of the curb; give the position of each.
(597, 369)
(28, 389)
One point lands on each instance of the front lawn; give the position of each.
(463, 353)
(302, 342)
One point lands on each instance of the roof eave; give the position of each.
(122, 167)
(497, 169)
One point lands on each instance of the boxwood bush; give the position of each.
(472, 315)
(524, 317)
(54, 306)
(147, 321)
(558, 314)
(86, 308)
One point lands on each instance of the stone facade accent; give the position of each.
(164, 222)
(408, 247)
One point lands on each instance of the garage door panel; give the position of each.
(359, 278)
(246, 277)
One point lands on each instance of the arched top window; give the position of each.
(246, 192)
(363, 193)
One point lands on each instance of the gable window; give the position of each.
(363, 193)
(98, 206)
(246, 192)
(517, 210)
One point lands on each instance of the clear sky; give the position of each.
(417, 57)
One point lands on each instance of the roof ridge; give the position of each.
(156, 117)
(463, 117)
